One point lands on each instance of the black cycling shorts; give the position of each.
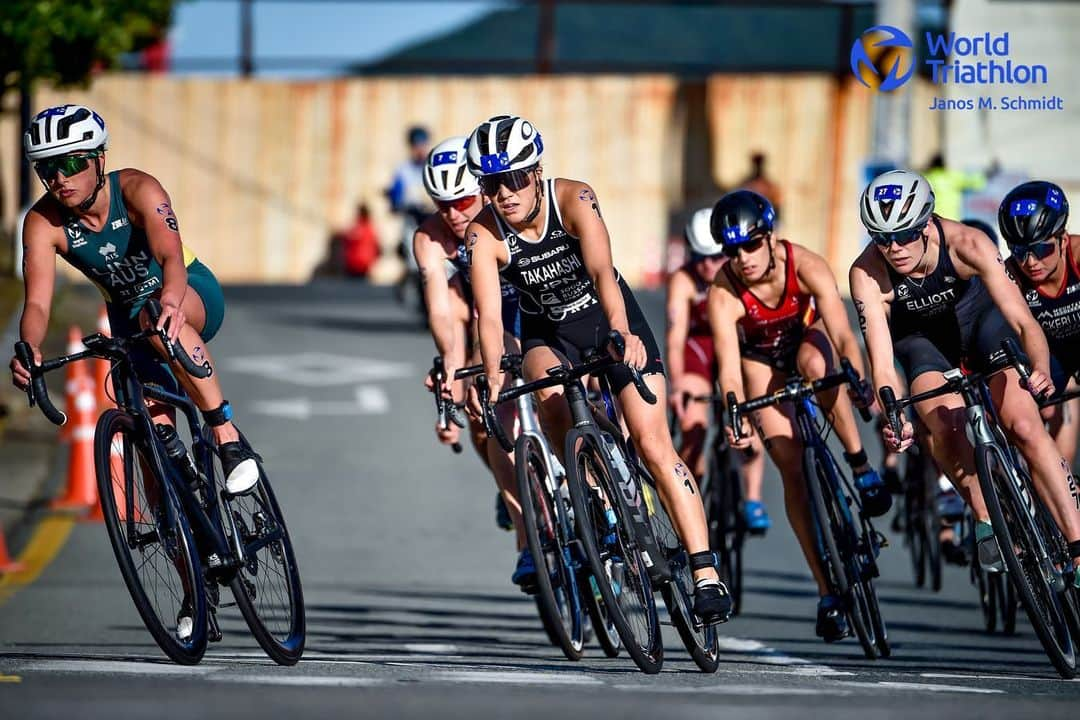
(573, 338)
(977, 346)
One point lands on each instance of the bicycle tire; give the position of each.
(284, 646)
(1007, 515)
(931, 523)
(607, 637)
(583, 455)
(726, 533)
(840, 544)
(180, 541)
(701, 643)
(914, 535)
(544, 523)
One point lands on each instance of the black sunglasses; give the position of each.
(513, 180)
(1041, 250)
(901, 238)
(731, 250)
(67, 165)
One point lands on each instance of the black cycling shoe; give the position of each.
(875, 499)
(831, 623)
(239, 466)
(712, 602)
(891, 477)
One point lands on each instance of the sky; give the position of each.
(312, 38)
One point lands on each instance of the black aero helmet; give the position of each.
(1033, 212)
(741, 216)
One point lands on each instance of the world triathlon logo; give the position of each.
(883, 58)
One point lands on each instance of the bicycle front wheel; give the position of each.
(546, 528)
(727, 532)
(267, 587)
(151, 539)
(1024, 552)
(610, 549)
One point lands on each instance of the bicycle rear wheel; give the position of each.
(607, 636)
(700, 640)
(726, 530)
(267, 586)
(616, 564)
(1022, 548)
(156, 556)
(545, 531)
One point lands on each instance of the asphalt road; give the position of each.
(409, 606)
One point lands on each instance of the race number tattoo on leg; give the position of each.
(683, 475)
(1071, 479)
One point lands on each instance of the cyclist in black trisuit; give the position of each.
(547, 238)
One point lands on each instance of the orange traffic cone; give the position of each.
(7, 563)
(82, 415)
(102, 381)
(116, 463)
(74, 345)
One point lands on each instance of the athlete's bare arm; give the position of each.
(42, 235)
(977, 255)
(870, 291)
(488, 254)
(581, 213)
(817, 278)
(725, 311)
(679, 295)
(431, 259)
(150, 208)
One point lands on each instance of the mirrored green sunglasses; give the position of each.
(68, 165)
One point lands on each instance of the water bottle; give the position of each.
(174, 448)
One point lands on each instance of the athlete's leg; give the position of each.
(554, 412)
(694, 423)
(777, 429)
(1063, 423)
(1053, 478)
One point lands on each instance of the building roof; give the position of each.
(684, 39)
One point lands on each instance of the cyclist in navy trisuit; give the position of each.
(1032, 219)
(691, 363)
(439, 249)
(547, 238)
(776, 310)
(933, 294)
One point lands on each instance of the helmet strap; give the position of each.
(539, 196)
(88, 203)
(772, 256)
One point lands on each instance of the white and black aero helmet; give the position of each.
(699, 236)
(446, 172)
(63, 129)
(504, 143)
(898, 201)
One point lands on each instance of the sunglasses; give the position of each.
(512, 180)
(750, 246)
(1041, 250)
(460, 204)
(901, 238)
(68, 165)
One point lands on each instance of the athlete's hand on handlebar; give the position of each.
(447, 435)
(743, 441)
(20, 374)
(1039, 384)
(633, 354)
(907, 435)
(171, 320)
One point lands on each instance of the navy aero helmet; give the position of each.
(1033, 212)
(741, 216)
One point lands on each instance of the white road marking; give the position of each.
(921, 687)
(765, 654)
(316, 369)
(428, 648)
(957, 676)
(111, 667)
(730, 689)
(369, 400)
(515, 678)
(301, 680)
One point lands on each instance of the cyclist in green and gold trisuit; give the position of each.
(120, 231)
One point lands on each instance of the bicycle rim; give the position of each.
(557, 592)
(620, 574)
(157, 560)
(700, 640)
(267, 587)
(831, 560)
(1013, 529)
(607, 636)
